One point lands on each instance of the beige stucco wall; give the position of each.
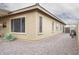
(47, 26)
(32, 26)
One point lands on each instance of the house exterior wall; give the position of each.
(32, 26)
(47, 26)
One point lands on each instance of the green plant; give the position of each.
(9, 37)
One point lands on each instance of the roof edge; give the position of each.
(38, 6)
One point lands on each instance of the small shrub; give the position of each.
(9, 37)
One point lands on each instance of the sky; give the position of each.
(68, 12)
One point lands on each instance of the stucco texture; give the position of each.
(32, 25)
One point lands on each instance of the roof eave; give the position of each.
(36, 6)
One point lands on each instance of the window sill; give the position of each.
(19, 33)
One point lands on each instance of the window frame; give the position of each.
(13, 26)
(40, 24)
(53, 26)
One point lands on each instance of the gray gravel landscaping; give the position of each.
(61, 44)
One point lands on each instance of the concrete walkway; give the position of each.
(61, 44)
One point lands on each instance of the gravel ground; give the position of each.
(61, 44)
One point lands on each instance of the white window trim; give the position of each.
(19, 33)
(13, 28)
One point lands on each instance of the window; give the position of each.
(52, 26)
(40, 24)
(18, 25)
(56, 26)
